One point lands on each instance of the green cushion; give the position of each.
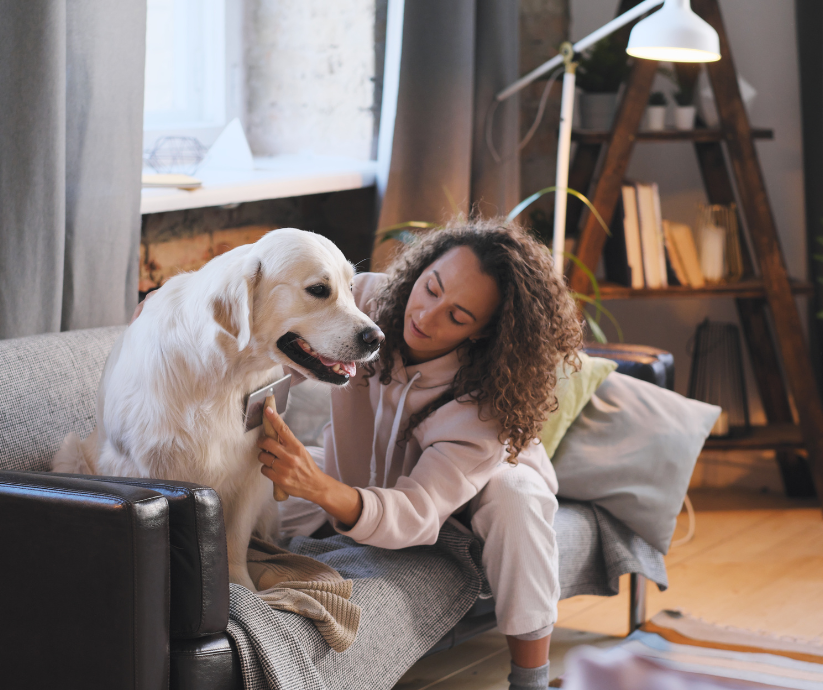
(574, 390)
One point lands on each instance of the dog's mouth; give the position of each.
(325, 369)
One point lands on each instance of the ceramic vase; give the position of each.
(684, 117)
(655, 117)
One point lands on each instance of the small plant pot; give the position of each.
(684, 117)
(597, 110)
(656, 117)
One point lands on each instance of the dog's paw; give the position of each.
(240, 576)
(70, 457)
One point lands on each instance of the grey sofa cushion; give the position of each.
(48, 388)
(632, 451)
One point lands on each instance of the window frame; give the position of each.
(224, 65)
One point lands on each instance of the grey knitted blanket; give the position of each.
(409, 598)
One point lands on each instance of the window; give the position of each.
(193, 68)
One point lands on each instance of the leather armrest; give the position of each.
(205, 663)
(199, 563)
(640, 361)
(84, 587)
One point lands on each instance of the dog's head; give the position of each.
(288, 298)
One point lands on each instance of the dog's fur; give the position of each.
(170, 405)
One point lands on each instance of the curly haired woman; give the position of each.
(476, 324)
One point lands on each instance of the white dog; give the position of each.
(170, 402)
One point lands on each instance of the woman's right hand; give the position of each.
(288, 464)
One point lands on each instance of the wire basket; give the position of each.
(176, 155)
(717, 376)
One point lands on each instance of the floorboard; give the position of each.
(756, 562)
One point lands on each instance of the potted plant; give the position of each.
(656, 111)
(686, 110)
(684, 97)
(600, 72)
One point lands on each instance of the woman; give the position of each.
(446, 422)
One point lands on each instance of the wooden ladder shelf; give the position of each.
(776, 344)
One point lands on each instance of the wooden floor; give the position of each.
(756, 562)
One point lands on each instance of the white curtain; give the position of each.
(71, 126)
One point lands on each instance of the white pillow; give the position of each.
(632, 451)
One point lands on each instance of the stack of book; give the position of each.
(645, 251)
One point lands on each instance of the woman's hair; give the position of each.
(512, 374)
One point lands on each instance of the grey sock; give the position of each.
(529, 678)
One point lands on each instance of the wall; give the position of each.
(763, 42)
(544, 25)
(310, 69)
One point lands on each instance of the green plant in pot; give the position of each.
(685, 109)
(656, 111)
(600, 72)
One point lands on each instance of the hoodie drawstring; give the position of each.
(395, 429)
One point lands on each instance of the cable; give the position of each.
(692, 523)
(541, 109)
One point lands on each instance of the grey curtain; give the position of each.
(71, 127)
(456, 54)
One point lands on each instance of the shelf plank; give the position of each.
(591, 136)
(770, 437)
(752, 288)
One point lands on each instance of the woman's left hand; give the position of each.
(287, 462)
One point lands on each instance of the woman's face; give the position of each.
(451, 301)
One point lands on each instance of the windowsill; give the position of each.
(272, 178)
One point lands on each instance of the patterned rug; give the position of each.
(675, 650)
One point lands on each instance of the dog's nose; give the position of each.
(373, 337)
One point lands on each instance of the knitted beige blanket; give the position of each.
(302, 585)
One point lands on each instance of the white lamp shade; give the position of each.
(674, 34)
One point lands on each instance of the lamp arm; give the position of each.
(579, 47)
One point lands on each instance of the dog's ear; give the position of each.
(233, 309)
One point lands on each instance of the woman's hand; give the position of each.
(287, 462)
(289, 465)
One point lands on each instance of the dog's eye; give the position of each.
(321, 291)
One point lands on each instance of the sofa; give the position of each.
(113, 582)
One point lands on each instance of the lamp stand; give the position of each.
(564, 144)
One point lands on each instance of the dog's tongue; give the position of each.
(348, 368)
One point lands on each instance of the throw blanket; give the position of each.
(307, 587)
(409, 599)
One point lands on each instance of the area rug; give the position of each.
(686, 652)
(688, 644)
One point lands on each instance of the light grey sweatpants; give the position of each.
(513, 515)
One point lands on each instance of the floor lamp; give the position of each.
(672, 34)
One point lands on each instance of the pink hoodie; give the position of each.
(410, 489)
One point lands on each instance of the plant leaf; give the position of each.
(820, 314)
(458, 213)
(587, 271)
(594, 327)
(396, 232)
(529, 200)
(600, 308)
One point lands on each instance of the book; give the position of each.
(651, 235)
(622, 256)
(631, 224)
(171, 180)
(615, 255)
(661, 244)
(673, 256)
(683, 254)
